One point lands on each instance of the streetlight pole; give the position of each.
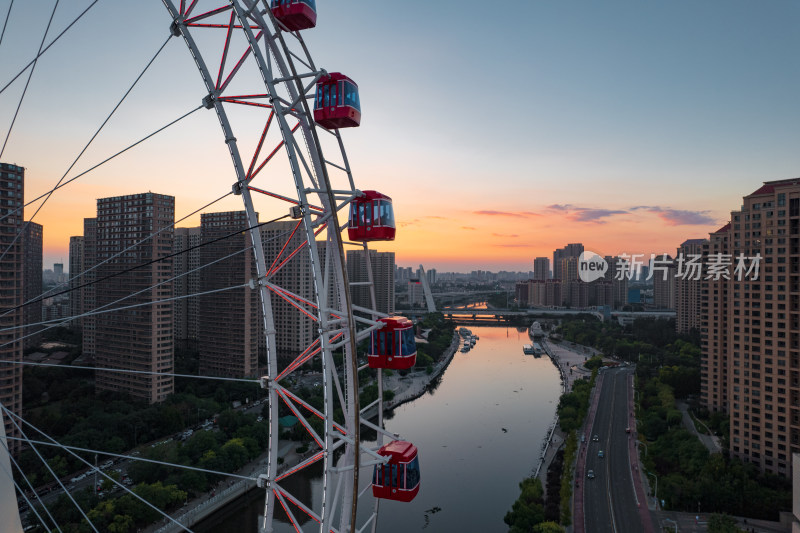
(656, 491)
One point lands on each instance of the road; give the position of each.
(610, 502)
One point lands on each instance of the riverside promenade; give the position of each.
(569, 359)
(225, 492)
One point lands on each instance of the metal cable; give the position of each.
(32, 61)
(67, 449)
(8, 15)
(123, 371)
(52, 473)
(47, 294)
(101, 452)
(101, 163)
(125, 308)
(86, 147)
(69, 319)
(25, 90)
(151, 287)
(30, 486)
(141, 265)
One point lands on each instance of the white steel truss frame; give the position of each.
(287, 92)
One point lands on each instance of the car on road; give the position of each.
(595, 439)
(628, 429)
(590, 474)
(600, 454)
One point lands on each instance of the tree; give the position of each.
(548, 527)
(722, 523)
(528, 510)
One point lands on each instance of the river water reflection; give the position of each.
(479, 431)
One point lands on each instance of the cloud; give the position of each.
(678, 217)
(436, 217)
(412, 222)
(515, 214)
(512, 235)
(586, 214)
(594, 215)
(468, 227)
(498, 245)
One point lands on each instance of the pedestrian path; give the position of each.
(710, 442)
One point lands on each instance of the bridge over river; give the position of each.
(471, 315)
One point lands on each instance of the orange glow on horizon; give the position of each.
(454, 240)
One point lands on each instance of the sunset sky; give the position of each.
(501, 130)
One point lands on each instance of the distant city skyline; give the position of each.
(628, 125)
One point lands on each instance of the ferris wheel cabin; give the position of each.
(393, 346)
(336, 104)
(295, 14)
(398, 479)
(371, 218)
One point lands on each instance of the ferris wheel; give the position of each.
(280, 116)
(266, 72)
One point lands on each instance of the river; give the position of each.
(479, 431)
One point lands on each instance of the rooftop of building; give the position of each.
(724, 229)
(770, 186)
(690, 242)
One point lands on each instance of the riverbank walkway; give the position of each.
(225, 491)
(569, 359)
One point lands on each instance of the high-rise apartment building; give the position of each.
(32, 236)
(89, 289)
(76, 267)
(58, 272)
(12, 183)
(136, 338)
(663, 272)
(431, 274)
(759, 327)
(185, 267)
(382, 265)
(714, 325)
(569, 269)
(570, 250)
(229, 321)
(541, 268)
(523, 291)
(294, 330)
(416, 294)
(688, 285)
(575, 293)
(764, 333)
(601, 293)
(617, 276)
(404, 274)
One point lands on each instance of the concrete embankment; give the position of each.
(570, 367)
(414, 385)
